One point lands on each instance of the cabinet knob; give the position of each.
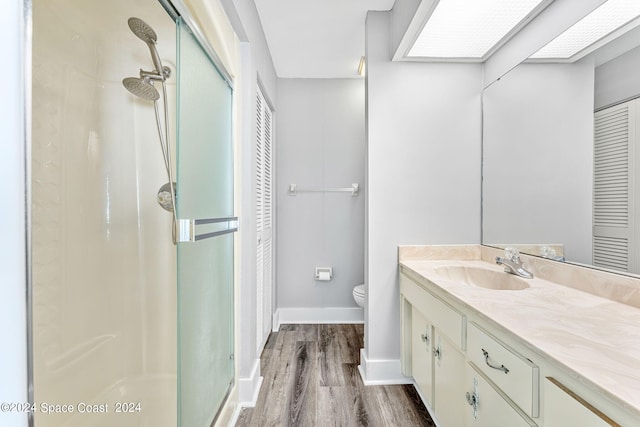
(473, 400)
(437, 352)
(425, 338)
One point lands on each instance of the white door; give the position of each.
(264, 219)
(421, 358)
(449, 382)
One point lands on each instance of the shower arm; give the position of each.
(151, 75)
(154, 75)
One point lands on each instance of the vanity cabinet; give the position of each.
(437, 360)
(470, 375)
(447, 383)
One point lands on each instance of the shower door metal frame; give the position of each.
(27, 53)
(177, 8)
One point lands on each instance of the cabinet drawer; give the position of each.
(514, 374)
(448, 320)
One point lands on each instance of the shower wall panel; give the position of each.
(104, 267)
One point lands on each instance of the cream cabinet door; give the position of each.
(486, 407)
(421, 359)
(563, 408)
(449, 378)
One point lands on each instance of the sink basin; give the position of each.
(482, 277)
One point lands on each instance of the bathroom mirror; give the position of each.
(538, 156)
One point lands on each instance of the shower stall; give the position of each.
(131, 304)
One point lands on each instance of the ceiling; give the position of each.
(316, 38)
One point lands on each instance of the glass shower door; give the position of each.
(205, 234)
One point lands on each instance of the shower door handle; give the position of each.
(192, 230)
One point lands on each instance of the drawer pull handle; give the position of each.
(499, 368)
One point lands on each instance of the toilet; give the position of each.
(358, 295)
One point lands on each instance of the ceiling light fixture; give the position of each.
(463, 29)
(610, 19)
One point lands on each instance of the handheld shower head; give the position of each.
(141, 88)
(144, 32)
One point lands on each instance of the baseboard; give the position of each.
(229, 411)
(276, 321)
(234, 418)
(248, 388)
(381, 371)
(317, 315)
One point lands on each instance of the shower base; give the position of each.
(139, 401)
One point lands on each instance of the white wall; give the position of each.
(13, 262)
(320, 144)
(256, 66)
(617, 80)
(538, 158)
(423, 177)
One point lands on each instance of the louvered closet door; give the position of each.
(264, 219)
(613, 201)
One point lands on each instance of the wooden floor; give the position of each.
(310, 378)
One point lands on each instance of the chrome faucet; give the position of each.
(513, 264)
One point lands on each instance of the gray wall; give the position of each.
(423, 177)
(320, 144)
(538, 158)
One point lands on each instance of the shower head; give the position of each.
(142, 30)
(141, 88)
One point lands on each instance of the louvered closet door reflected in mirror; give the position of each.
(615, 210)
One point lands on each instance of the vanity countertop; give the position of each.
(595, 339)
